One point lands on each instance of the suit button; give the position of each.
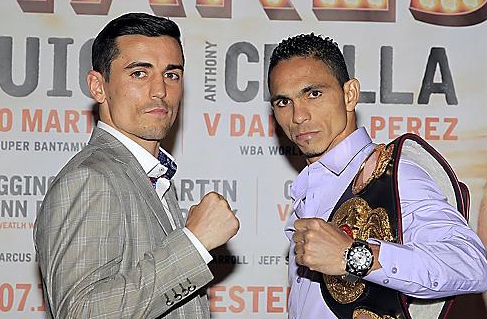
(176, 295)
(168, 302)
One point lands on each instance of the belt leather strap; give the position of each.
(377, 205)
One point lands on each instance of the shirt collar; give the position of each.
(340, 156)
(151, 165)
(336, 161)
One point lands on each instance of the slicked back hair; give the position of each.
(312, 46)
(105, 49)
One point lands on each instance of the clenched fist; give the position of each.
(320, 245)
(212, 221)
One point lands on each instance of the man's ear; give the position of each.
(95, 85)
(351, 90)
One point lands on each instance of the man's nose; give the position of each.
(158, 88)
(300, 113)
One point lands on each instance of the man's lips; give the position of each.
(157, 110)
(305, 136)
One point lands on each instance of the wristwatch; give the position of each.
(359, 259)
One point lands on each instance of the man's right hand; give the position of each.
(212, 221)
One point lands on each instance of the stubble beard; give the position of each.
(314, 154)
(313, 151)
(157, 133)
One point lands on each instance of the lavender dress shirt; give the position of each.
(441, 255)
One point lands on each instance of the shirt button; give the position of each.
(386, 281)
(394, 270)
(298, 279)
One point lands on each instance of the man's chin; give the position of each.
(154, 137)
(312, 156)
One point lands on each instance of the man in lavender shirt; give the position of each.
(314, 100)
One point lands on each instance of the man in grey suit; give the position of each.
(110, 237)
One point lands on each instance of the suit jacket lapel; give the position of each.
(149, 195)
(135, 173)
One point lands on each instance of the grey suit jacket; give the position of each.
(105, 245)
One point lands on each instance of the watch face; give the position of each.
(359, 259)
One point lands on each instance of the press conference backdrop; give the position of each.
(423, 69)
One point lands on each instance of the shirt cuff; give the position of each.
(199, 246)
(395, 272)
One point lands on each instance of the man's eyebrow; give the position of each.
(174, 67)
(139, 64)
(311, 87)
(303, 91)
(278, 97)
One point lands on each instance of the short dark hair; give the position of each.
(105, 49)
(314, 46)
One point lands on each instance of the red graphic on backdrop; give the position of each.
(168, 8)
(280, 10)
(214, 8)
(91, 6)
(453, 13)
(341, 10)
(38, 6)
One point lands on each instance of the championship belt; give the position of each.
(370, 208)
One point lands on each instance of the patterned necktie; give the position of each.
(167, 163)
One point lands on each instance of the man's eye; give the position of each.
(138, 74)
(282, 103)
(315, 94)
(172, 76)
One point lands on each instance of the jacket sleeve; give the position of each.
(441, 255)
(102, 259)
